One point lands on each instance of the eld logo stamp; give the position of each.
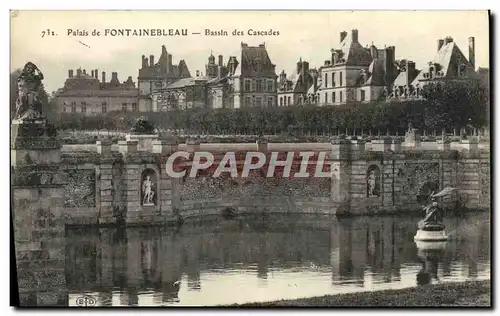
(85, 301)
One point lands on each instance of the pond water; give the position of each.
(218, 262)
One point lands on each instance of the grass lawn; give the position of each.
(471, 294)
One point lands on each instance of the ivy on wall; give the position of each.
(80, 190)
(420, 179)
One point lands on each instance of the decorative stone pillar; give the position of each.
(103, 147)
(37, 193)
(381, 144)
(358, 148)
(261, 145)
(127, 146)
(193, 145)
(396, 145)
(470, 144)
(106, 188)
(341, 167)
(443, 145)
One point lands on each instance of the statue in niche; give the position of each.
(371, 181)
(148, 191)
(28, 105)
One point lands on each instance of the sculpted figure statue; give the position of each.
(28, 105)
(372, 179)
(147, 189)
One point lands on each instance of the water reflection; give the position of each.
(278, 258)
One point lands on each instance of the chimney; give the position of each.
(335, 57)
(92, 75)
(374, 51)
(169, 63)
(163, 49)
(144, 61)
(390, 68)
(343, 34)
(151, 60)
(305, 67)
(472, 52)
(96, 72)
(114, 76)
(221, 60)
(197, 73)
(440, 43)
(410, 71)
(448, 40)
(70, 73)
(354, 36)
(299, 66)
(103, 77)
(79, 72)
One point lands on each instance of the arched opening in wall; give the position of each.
(149, 188)
(426, 189)
(373, 181)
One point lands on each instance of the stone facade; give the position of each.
(366, 178)
(37, 190)
(87, 95)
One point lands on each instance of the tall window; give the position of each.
(270, 101)
(289, 100)
(73, 107)
(281, 100)
(124, 107)
(326, 98)
(248, 101)
(340, 96)
(247, 85)
(258, 101)
(104, 107)
(326, 80)
(333, 97)
(362, 95)
(135, 108)
(340, 81)
(84, 107)
(333, 79)
(259, 85)
(270, 85)
(254, 84)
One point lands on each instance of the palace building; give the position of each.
(86, 94)
(249, 83)
(301, 88)
(355, 73)
(154, 76)
(448, 64)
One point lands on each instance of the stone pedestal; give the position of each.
(471, 144)
(412, 139)
(164, 147)
(396, 145)
(37, 191)
(144, 141)
(358, 148)
(261, 145)
(103, 147)
(381, 144)
(127, 146)
(192, 146)
(443, 144)
(341, 167)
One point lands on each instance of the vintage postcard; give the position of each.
(250, 158)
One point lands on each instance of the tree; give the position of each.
(454, 104)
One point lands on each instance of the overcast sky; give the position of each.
(309, 35)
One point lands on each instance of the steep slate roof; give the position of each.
(353, 53)
(255, 62)
(377, 73)
(447, 57)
